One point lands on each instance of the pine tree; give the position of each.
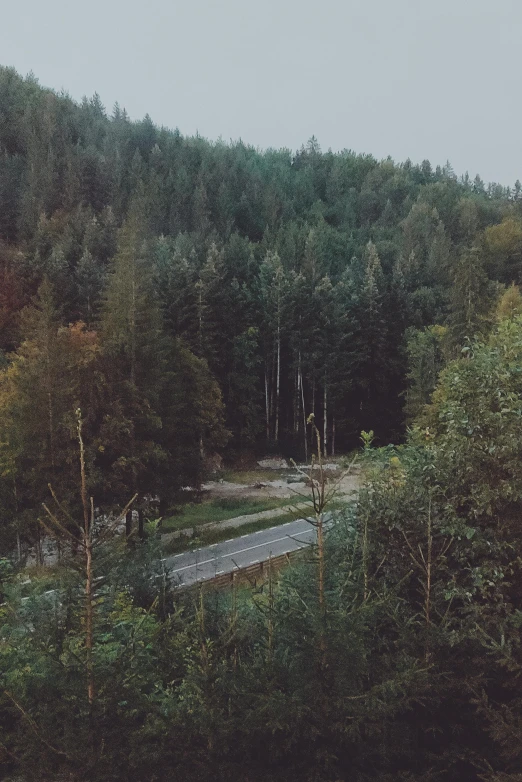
(471, 300)
(273, 287)
(133, 360)
(243, 388)
(425, 361)
(369, 347)
(90, 277)
(210, 293)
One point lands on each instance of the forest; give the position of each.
(166, 298)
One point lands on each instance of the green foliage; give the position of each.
(472, 298)
(195, 514)
(231, 295)
(425, 361)
(363, 249)
(407, 667)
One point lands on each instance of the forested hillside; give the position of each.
(396, 658)
(192, 296)
(164, 298)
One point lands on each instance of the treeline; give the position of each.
(268, 284)
(402, 663)
(150, 408)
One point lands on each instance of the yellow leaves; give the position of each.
(504, 239)
(510, 304)
(438, 331)
(396, 473)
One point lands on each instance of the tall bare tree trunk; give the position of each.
(428, 566)
(305, 439)
(200, 316)
(270, 610)
(133, 327)
(296, 403)
(128, 523)
(325, 419)
(87, 542)
(319, 502)
(365, 557)
(39, 552)
(278, 381)
(51, 426)
(312, 410)
(272, 393)
(132, 318)
(267, 406)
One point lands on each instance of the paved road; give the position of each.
(206, 563)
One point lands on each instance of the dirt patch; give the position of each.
(291, 486)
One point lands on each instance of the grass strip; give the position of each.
(219, 509)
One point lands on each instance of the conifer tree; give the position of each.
(90, 277)
(133, 358)
(471, 300)
(425, 361)
(210, 294)
(273, 287)
(369, 346)
(51, 372)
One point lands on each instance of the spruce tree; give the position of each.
(471, 300)
(133, 360)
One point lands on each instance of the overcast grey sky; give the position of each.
(406, 78)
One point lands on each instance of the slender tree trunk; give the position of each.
(134, 390)
(88, 519)
(272, 392)
(200, 318)
(50, 410)
(325, 419)
(312, 410)
(320, 553)
(51, 426)
(270, 610)
(365, 557)
(128, 522)
(18, 540)
(89, 615)
(278, 381)
(141, 523)
(333, 436)
(298, 393)
(39, 552)
(305, 439)
(296, 403)
(132, 318)
(427, 605)
(319, 502)
(267, 406)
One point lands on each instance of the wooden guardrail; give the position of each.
(251, 574)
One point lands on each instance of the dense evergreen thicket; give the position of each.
(293, 276)
(186, 297)
(404, 663)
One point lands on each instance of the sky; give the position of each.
(407, 78)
